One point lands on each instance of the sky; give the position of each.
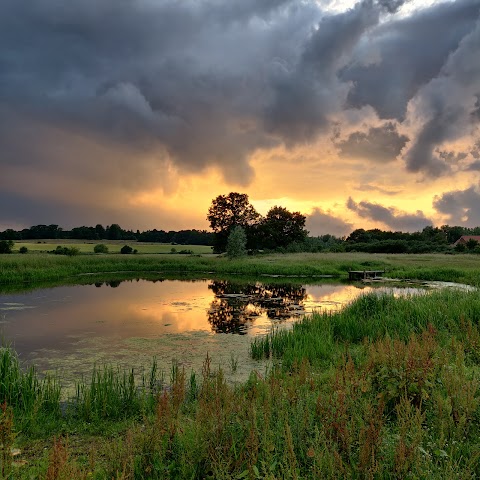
(140, 112)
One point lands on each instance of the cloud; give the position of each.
(306, 93)
(104, 98)
(446, 105)
(389, 216)
(373, 188)
(474, 166)
(320, 222)
(461, 206)
(174, 77)
(379, 144)
(409, 53)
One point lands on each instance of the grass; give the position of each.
(387, 408)
(387, 388)
(114, 246)
(32, 268)
(371, 317)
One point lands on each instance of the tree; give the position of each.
(228, 211)
(114, 232)
(100, 231)
(6, 246)
(471, 244)
(280, 227)
(237, 242)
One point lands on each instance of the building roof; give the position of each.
(466, 238)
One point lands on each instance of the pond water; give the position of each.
(69, 329)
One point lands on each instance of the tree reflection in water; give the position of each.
(236, 305)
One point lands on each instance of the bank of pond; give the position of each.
(31, 270)
(385, 385)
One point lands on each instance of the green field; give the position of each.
(114, 246)
(387, 388)
(40, 267)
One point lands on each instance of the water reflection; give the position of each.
(128, 322)
(236, 305)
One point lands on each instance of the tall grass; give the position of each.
(21, 269)
(387, 388)
(371, 317)
(405, 409)
(30, 396)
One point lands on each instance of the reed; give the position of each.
(28, 395)
(402, 409)
(371, 317)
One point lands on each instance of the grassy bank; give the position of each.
(388, 388)
(31, 268)
(451, 313)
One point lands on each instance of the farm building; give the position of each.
(465, 238)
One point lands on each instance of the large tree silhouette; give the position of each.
(228, 211)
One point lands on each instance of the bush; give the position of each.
(100, 248)
(126, 250)
(6, 246)
(72, 251)
(237, 243)
(23, 250)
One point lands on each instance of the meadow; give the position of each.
(387, 388)
(114, 246)
(17, 269)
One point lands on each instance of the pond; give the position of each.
(69, 329)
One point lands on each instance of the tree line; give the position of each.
(233, 216)
(110, 232)
(430, 239)
(281, 230)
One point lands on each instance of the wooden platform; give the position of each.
(363, 274)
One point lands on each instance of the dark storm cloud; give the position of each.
(381, 144)
(320, 222)
(18, 209)
(474, 166)
(461, 206)
(476, 111)
(390, 216)
(409, 53)
(208, 80)
(306, 93)
(475, 151)
(448, 102)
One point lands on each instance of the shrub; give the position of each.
(100, 248)
(237, 243)
(72, 251)
(126, 249)
(23, 250)
(6, 246)
(471, 244)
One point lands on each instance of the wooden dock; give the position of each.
(364, 274)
